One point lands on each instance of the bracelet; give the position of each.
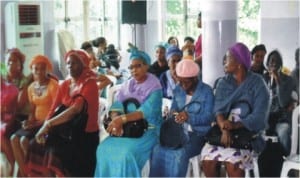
(124, 119)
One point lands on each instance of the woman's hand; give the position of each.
(181, 117)
(226, 138)
(226, 125)
(115, 127)
(29, 124)
(40, 137)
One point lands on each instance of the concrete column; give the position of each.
(280, 28)
(219, 26)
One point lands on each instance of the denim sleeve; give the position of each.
(257, 120)
(205, 116)
(284, 90)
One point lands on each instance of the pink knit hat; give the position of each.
(187, 68)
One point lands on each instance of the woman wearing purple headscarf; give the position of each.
(123, 156)
(239, 84)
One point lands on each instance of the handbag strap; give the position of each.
(128, 101)
(190, 103)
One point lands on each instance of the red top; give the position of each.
(87, 87)
(198, 46)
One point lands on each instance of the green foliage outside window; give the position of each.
(248, 22)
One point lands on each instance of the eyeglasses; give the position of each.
(135, 66)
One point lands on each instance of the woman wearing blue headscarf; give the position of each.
(123, 156)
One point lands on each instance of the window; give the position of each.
(88, 19)
(248, 18)
(181, 19)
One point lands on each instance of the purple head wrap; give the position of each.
(241, 53)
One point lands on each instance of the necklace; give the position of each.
(39, 89)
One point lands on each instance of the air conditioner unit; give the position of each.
(24, 29)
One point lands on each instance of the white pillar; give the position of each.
(219, 23)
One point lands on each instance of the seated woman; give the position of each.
(170, 162)
(281, 87)
(15, 63)
(41, 94)
(168, 79)
(125, 157)
(79, 159)
(8, 122)
(240, 85)
(160, 65)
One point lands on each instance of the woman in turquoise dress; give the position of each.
(123, 156)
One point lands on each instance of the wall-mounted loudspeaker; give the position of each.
(134, 12)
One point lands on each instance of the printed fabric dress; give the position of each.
(125, 157)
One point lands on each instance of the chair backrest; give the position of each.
(295, 131)
(66, 42)
(111, 94)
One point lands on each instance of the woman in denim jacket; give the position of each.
(196, 118)
(243, 95)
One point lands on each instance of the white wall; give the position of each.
(280, 25)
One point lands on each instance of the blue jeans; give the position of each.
(166, 162)
(283, 131)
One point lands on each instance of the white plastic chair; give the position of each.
(293, 160)
(194, 167)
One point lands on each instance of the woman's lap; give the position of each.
(242, 157)
(120, 155)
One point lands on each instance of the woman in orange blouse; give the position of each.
(41, 94)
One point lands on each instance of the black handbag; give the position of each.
(173, 134)
(133, 129)
(241, 138)
(71, 129)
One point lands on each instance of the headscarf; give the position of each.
(17, 53)
(41, 59)
(81, 54)
(138, 55)
(242, 54)
(173, 50)
(162, 45)
(187, 68)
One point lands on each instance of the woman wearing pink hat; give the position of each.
(241, 101)
(196, 119)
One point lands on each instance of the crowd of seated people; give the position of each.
(28, 123)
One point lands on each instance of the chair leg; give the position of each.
(195, 165)
(16, 169)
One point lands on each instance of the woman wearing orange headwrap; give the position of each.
(41, 94)
(82, 83)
